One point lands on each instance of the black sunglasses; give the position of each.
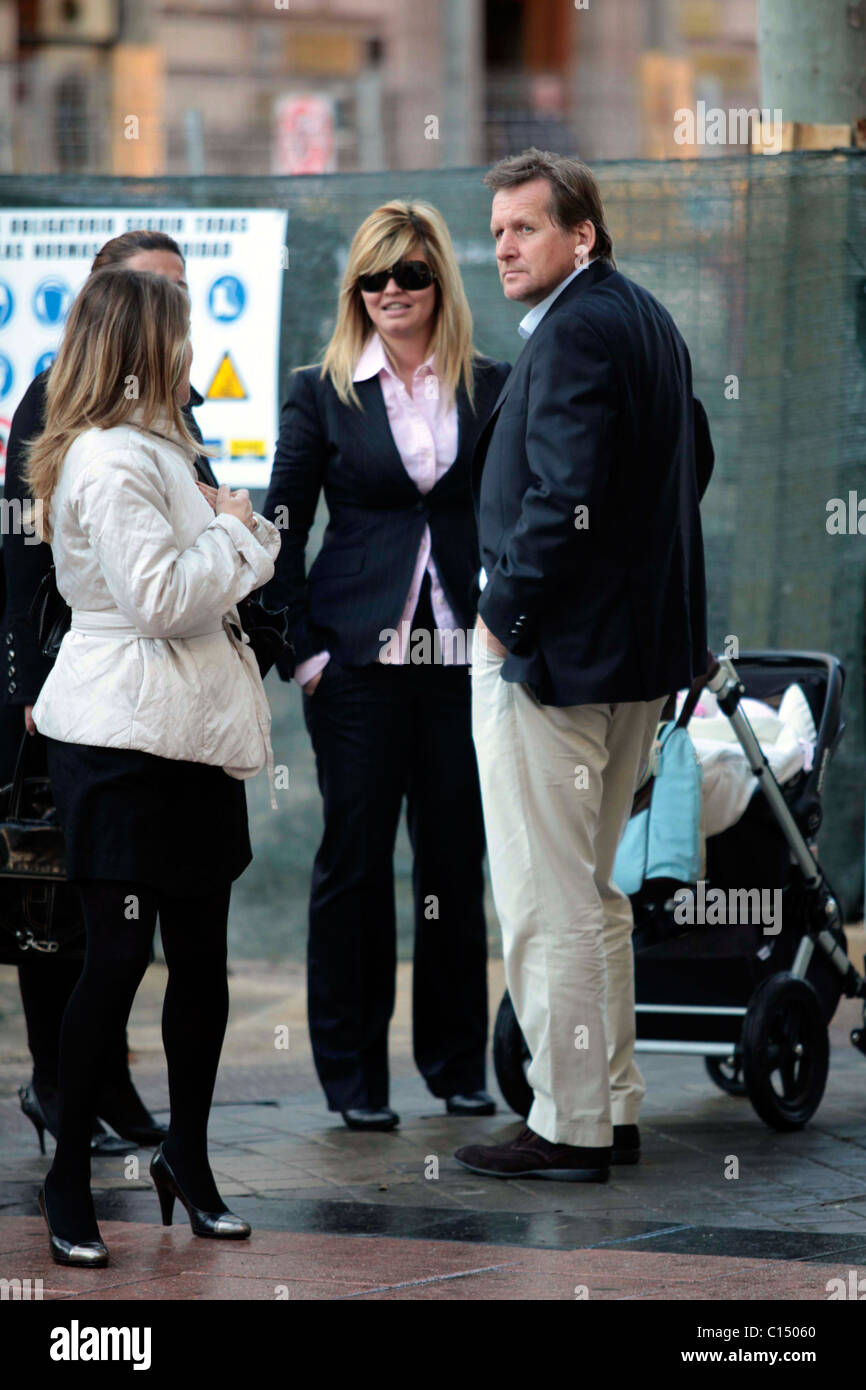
(408, 275)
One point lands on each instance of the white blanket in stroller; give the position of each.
(787, 737)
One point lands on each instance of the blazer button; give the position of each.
(12, 687)
(8, 639)
(11, 669)
(420, 506)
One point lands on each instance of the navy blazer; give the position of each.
(357, 585)
(587, 480)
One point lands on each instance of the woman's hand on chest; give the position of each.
(223, 500)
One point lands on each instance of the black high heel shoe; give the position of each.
(44, 1115)
(223, 1224)
(121, 1106)
(89, 1254)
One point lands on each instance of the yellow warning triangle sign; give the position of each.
(226, 384)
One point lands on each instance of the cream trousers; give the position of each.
(557, 786)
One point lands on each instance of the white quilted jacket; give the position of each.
(152, 577)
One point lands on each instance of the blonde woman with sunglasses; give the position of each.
(385, 426)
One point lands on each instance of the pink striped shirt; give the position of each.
(424, 429)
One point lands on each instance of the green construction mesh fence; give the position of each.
(762, 262)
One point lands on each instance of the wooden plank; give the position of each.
(802, 135)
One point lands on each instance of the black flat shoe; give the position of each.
(44, 1114)
(89, 1254)
(382, 1118)
(473, 1103)
(223, 1225)
(626, 1144)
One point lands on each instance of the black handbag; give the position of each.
(40, 913)
(50, 614)
(267, 631)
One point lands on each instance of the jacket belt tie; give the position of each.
(108, 623)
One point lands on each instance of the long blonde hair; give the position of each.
(123, 348)
(382, 239)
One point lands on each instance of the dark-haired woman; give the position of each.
(46, 984)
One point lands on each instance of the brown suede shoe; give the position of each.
(530, 1156)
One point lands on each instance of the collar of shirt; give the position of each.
(530, 321)
(374, 359)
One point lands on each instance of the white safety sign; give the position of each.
(234, 267)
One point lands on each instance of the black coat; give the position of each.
(25, 564)
(607, 605)
(357, 585)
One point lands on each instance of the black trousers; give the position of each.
(381, 733)
(46, 983)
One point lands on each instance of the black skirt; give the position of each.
(180, 827)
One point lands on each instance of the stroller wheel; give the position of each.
(511, 1058)
(786, 1051)
(727, 1073)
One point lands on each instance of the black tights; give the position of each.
(46, 986)
(120, 919)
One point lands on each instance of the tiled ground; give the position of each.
(149, 1263)
(342, 1215)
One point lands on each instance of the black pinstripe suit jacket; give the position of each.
(358, 583)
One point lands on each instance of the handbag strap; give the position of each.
(24, 757)
(691, 700)
(45, 586)
(642, 796)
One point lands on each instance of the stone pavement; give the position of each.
(338, 1215)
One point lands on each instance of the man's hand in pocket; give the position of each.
(493, 643)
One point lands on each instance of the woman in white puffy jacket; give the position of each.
(154, 714)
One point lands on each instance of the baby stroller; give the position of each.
(755, 1006)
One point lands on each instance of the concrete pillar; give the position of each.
(813, 60)
(8, 53)
(137, 95)
(462, 83)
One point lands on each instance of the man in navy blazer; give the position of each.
(587, 478)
